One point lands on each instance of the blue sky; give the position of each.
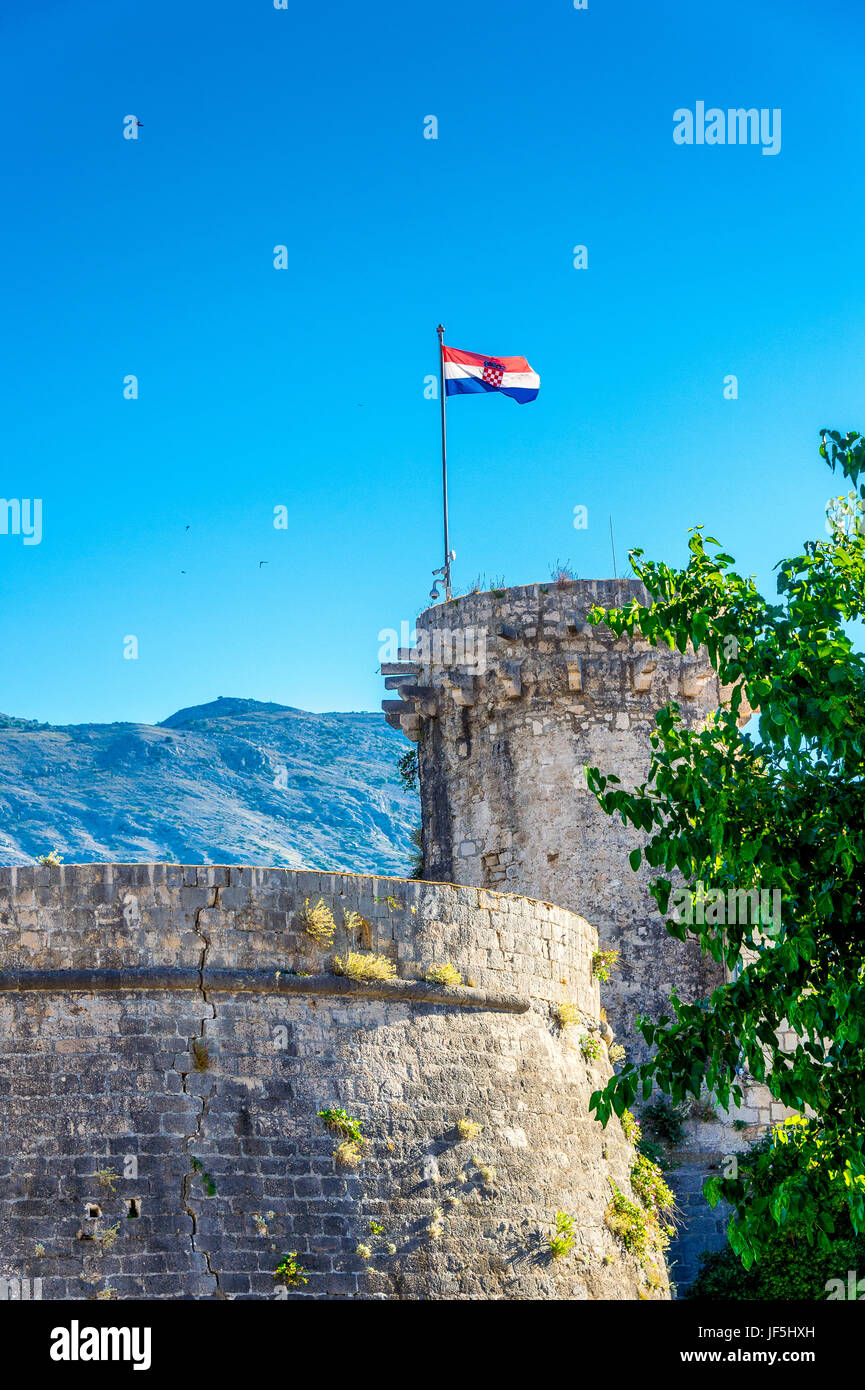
(304, 387)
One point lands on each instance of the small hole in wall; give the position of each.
(133, 1207)
(93, 1211)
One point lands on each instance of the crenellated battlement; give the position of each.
(535, 645)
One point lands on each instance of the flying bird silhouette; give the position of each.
(263, 562)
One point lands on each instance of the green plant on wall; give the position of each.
(407, 770)
(445, 974)
(562, 1240)
(289, 1272)
(630, 1127)
(645, 1226)
(361, 965)
(629, 1222)
(317, 921)
(105, 1177)
(603, 965)
(566, 1014)
(647, 1181)
(665, 1121)
(206, 1180)
(356, 926)
(340, 1122)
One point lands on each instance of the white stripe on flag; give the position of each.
(529, 381)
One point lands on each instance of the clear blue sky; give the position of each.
(305, 387)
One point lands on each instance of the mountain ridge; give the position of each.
(233, 780)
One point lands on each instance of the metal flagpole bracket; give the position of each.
(444, 571)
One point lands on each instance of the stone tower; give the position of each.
(509, 695)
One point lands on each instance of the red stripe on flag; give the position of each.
(477, 359)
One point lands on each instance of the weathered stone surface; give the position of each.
(506, 805)
(112, 1096)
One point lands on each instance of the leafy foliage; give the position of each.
(340, 1122)
(407, 771)
(562, 1240)
(665, 1121)
(628, 1221)
(630, 1127)
(644, 1227)
(603, 964)
(289, 1272)
(791, 1263)
(784, 812)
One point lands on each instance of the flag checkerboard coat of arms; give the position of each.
(493, 373)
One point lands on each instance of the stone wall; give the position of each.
(509, 695)
(169, 1035)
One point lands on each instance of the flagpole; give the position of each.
(447, 565)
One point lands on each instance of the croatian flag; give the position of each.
(467, 372)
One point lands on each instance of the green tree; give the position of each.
(789, 1266)
(784, 811)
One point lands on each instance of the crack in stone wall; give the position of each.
(189, 1178)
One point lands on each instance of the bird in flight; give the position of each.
(187, 528)
(263, 562)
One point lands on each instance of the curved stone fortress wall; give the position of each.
(169, 1035)
(508, 695)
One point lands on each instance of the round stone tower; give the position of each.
(509, 694)
(169, 1039)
